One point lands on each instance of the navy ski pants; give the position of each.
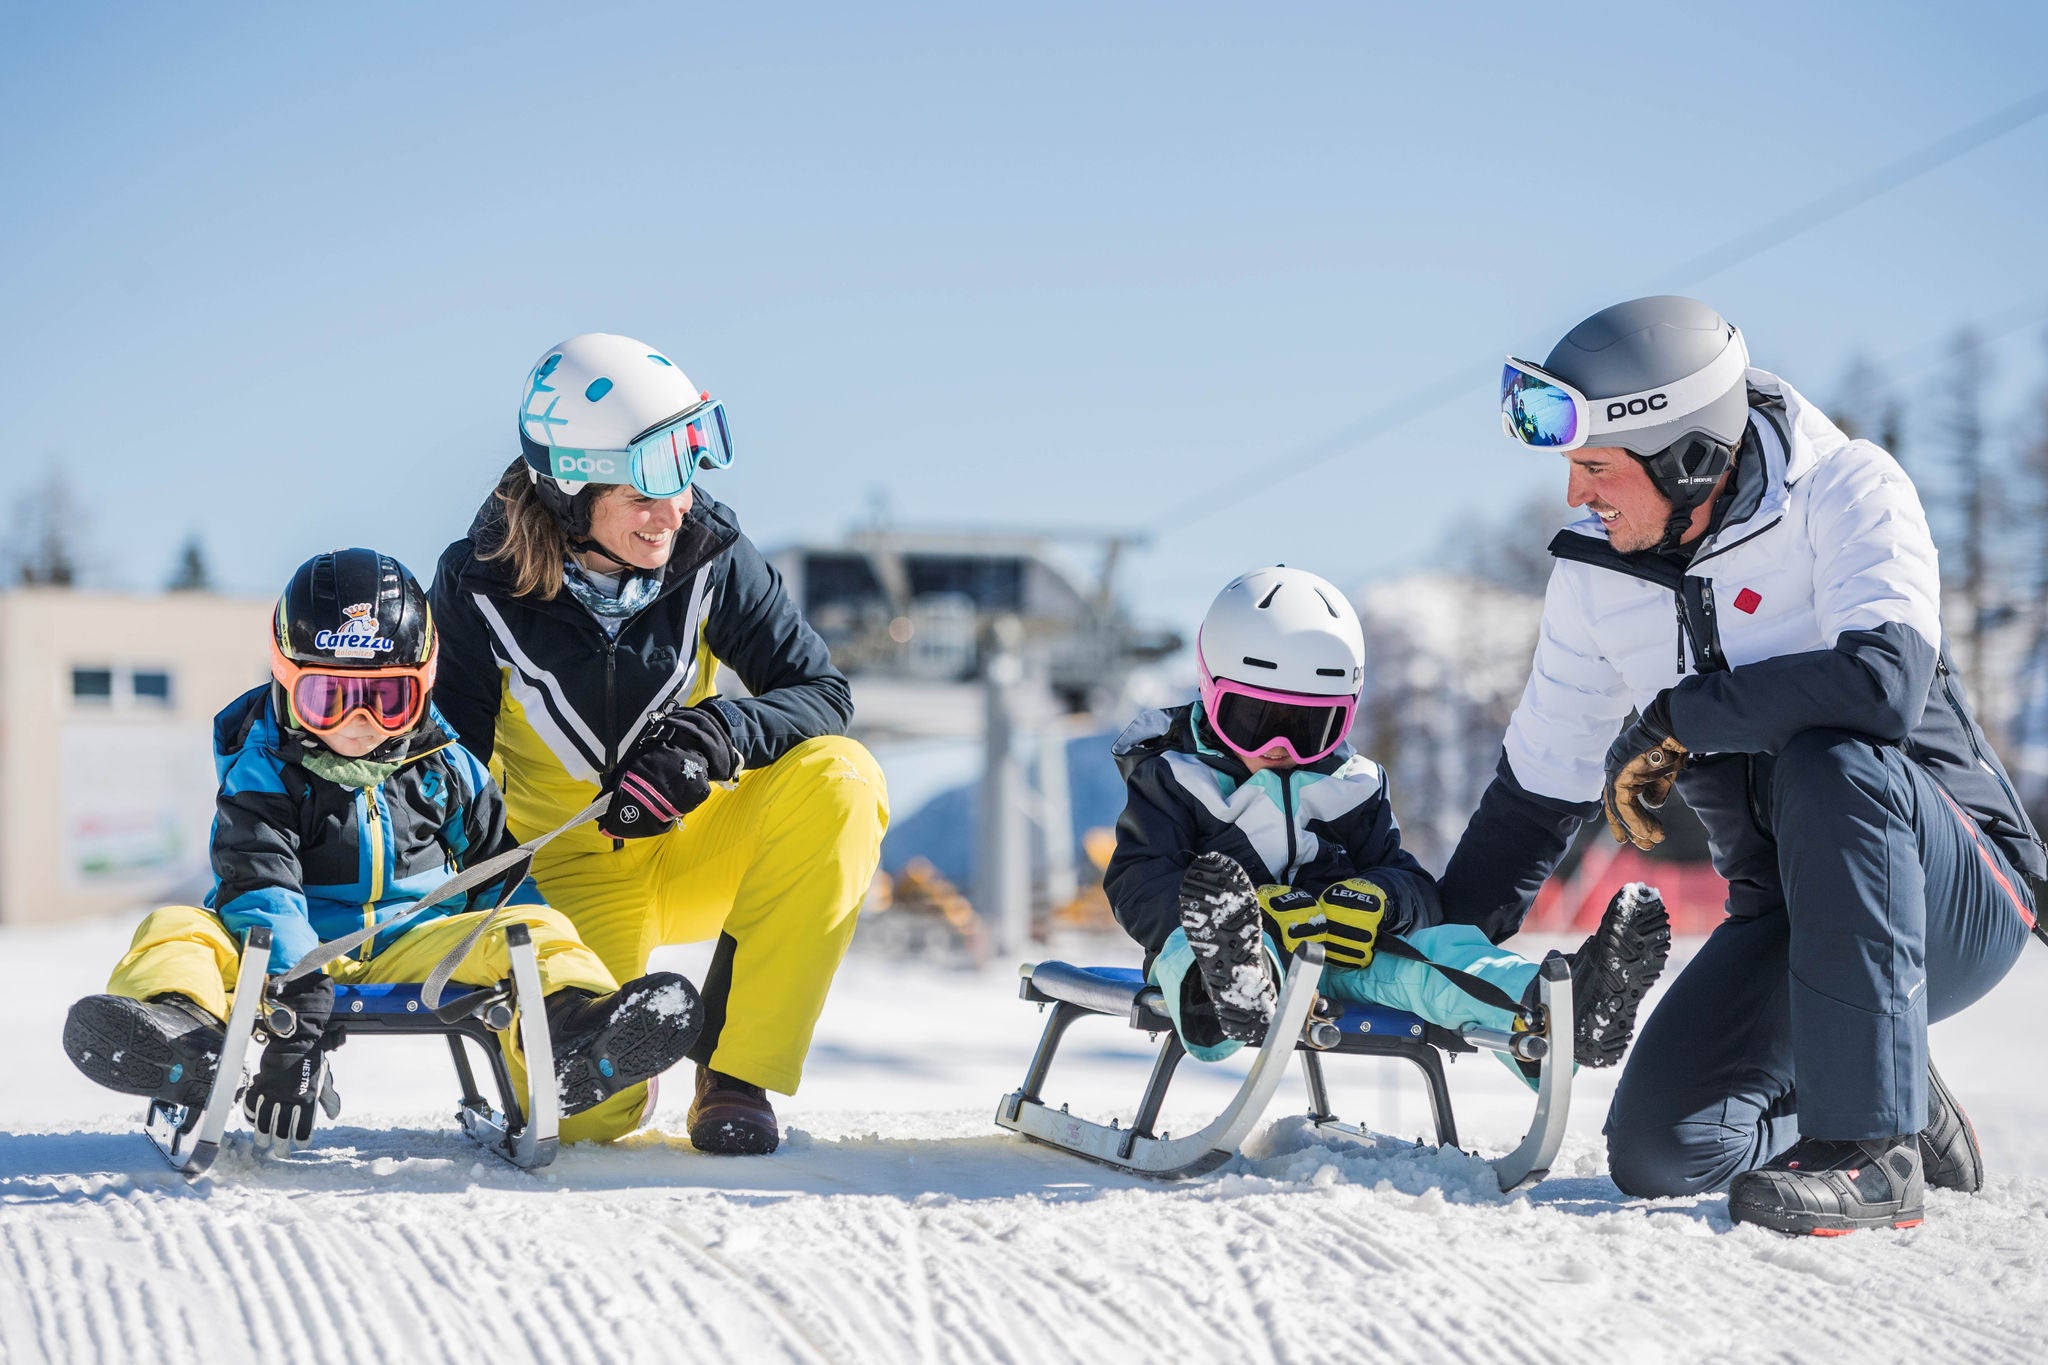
(1806, 1012)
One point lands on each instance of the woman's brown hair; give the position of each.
(530, 540)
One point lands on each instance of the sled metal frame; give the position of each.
(523, 1132)
(1317, 1027)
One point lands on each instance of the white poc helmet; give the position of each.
(601, 409)
(1283, 660)
(599, 391)
(1285, 630)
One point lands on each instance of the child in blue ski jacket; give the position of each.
(345, 799)
(1250, 828)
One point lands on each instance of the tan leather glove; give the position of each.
(1642, 763)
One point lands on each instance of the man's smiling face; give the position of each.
(1614, 485)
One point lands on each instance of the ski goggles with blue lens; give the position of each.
(661, 461)
(1542, 410)
(1539, 409)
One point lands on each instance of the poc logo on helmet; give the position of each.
(1636, 407)
(567, 465)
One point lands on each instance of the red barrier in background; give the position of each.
(1693, 892)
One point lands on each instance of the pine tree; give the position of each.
(46, 521)
(191, 573)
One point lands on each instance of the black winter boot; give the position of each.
(167, 1048)
(1219, 911)
(1613, 970)
(1821, 1188)
(1948, 1144)
(605, 1043)
(731, 1117)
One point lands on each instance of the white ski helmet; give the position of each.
(594, 410)
(1282, 660)
(598, 391)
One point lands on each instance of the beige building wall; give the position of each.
(106, 758)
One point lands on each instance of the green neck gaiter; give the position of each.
(347, 772)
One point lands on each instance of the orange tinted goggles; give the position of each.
(322, 700)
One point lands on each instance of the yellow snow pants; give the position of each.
(187, 950)
(778, 863)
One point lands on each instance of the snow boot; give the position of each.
(731, 1117)
(1948, 1144)
(166, 1048)
(605, 1043)
(1219, 911)
(1820, 1188)
(1613, 970)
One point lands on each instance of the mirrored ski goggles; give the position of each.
(1542, 410)
(1252, 721)
(323, 700)
(660, 462)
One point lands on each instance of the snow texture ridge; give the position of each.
(898, 1224)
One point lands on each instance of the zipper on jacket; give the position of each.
(611, 678)
(1287, 809)
(375, 824)
(1941, 670)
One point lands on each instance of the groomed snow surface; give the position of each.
(898, 1223)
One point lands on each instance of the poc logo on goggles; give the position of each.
(1635, 407)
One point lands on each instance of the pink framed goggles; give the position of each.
(1253, 721)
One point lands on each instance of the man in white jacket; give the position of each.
(1749, 610)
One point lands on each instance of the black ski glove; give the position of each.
(282, 1099)
(1642, 763)
(668, 772)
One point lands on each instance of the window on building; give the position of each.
(151, 686)
(996, 583)
(94, 685)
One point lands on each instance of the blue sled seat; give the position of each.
(479, 1015)
(381, 1001)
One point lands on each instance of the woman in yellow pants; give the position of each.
(585, 619)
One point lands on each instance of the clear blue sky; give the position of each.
(275, 274)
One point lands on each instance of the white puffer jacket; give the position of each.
(1813, 605)
(1837, 543)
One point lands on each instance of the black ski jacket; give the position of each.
(312, 860)
(1318, 824)
(538, 685)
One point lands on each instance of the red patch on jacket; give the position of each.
(1749, 599)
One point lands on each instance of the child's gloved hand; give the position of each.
(283, 1098)
(1345, 919)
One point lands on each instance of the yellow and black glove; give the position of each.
(1345, 919)
(1642, 764)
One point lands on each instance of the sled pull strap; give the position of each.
(437, 980)
(335, 949)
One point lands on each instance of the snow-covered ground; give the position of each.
(899, 1224)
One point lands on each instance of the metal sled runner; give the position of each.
(1316, 1027)
(523, 1131)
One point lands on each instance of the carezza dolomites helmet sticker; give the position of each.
(359, 636)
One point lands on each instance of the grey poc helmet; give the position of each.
(1663, 380)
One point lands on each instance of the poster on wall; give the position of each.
(138, 805)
